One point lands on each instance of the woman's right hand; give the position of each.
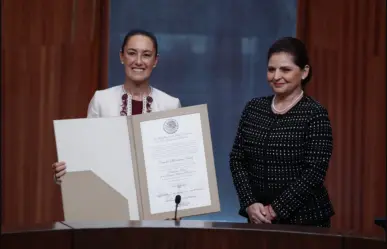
(59, 171)
(258, 213)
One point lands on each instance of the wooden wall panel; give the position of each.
(54, 56)
(346, 41)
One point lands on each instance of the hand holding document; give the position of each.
(143, 160)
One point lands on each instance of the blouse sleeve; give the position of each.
(317, 155)
(239, 169)
(178, 103)
(93, 110)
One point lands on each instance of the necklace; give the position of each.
(127, 102)
(286, 108)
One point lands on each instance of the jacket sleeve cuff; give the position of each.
(243, 209)
(280, 210)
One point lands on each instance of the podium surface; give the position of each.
(183, 234)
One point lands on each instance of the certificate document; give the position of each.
(132, 168)
(175, 163)
(175, 157)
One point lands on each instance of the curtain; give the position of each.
(54, 56)
(346, 41)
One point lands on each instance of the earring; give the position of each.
(122, 62)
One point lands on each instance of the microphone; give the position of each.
(177, 202)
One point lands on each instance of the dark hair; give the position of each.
(297, 49)
(140, 32)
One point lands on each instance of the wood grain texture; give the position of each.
(346, 42)
(52, 56)
(43, 236)
(184, 235)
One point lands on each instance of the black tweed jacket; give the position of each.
(282, 160)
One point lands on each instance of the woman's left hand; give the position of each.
(271, 214)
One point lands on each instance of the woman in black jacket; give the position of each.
(283, 145)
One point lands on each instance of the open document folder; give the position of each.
(131, 168)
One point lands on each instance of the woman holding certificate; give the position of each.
(139, 56)
(283, 146)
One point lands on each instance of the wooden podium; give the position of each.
(181, 235)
